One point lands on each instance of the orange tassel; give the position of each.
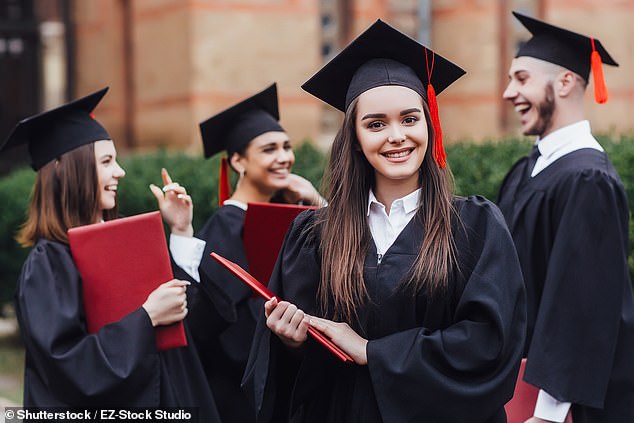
(224, 190)
(600, 89)
(438, 150)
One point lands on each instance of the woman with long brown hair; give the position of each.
(118, 366)
(421, 288)
(223, 311)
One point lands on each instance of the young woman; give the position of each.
(422, 289)
(119, 366)
(224, 315)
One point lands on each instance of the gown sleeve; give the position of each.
(573, 347)
(467, 370)
(271, 369)
(114, 366)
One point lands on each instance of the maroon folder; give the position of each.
(121, 262)
(265, 226)
(521, 407)
(264, 292)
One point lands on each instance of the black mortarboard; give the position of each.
(382, 55)
(565, 48)
(55, 132)
(233, 128)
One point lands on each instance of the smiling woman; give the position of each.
(260, 151)
(422, 289)
(119, 365)
(108, 173)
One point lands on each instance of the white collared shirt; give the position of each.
(187, 252)
(552, 147)
(385, 228)
(563, 141)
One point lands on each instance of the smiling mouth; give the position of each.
(281, 171)
(398, 154)
(522, 108)
(111, 188)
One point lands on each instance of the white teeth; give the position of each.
(521, 108)
(397, 155)
(111, 187)
(281, 171)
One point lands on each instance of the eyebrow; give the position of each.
(274, 144)
(105, 156)
(383, 115)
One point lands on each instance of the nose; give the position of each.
(119, 172)
(510, 92)
(396, 135)
(285, 155)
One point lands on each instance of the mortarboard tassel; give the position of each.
(224, 191)
(600, 89)
(438, 150)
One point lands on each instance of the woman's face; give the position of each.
(267, 161)
(392, 133)
(108, 173)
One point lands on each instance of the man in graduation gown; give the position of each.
(568, 214)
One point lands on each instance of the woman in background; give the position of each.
(118, 366)
(223, 310)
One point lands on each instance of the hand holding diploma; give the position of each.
(167, 303)
(291, 325)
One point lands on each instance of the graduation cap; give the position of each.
(380, 56)
(573, 51)
(233, 128)
(52, 133)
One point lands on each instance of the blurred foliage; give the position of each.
(477, 168)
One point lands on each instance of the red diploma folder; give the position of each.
(121, 262)
(522, 406)
(264, 292)
(265, 226)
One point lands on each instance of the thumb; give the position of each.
(158, 193)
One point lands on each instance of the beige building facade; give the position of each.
(172, 63)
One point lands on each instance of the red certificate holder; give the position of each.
(265, 293)
(121, 262)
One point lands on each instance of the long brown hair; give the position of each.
(65, 195)
(345, 235)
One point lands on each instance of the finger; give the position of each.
(279, 311)
(157, 193)
(317, 324)
(166, 177)
(175, 188)
(185, 198)
(171, 186)
(289, 313)
(177, 282)
(269, 306)
(297, 318)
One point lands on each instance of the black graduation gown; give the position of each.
(118, 366)
(570, 227)
(223, 317)
(450, 359)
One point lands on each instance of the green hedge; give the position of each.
(477, 168)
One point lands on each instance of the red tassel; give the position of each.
(600, 89)
(438, 150)
(224, 190)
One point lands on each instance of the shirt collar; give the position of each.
(410, 201)
(238, 204)
(561, 138)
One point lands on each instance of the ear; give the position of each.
(566, 83)
(237, 162)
